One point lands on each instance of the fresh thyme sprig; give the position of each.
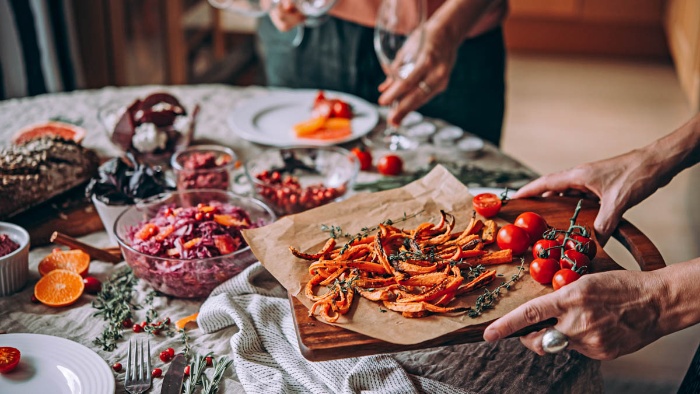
(489, 298)
(114, 303)
(186, 342)
(334, 231)
(366, 231)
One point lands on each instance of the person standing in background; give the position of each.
(459, 77)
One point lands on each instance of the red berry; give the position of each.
(187, 370)
(34, 299)
(167, 321)
(144, 324)
(137, 328)
(128, 323)
(92, 285)
(157, 372)
(208, 359)
(170, 351)
(165, 356)
(117, 367)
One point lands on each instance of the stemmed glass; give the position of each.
(314, 11)
(252, 8)
(399, 36)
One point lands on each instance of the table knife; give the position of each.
(172, 383)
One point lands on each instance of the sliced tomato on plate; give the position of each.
(9, 358)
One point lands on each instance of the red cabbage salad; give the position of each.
(7, 245)
(207, 230)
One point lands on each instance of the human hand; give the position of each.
(620, 183)
(429, 77)
(604, 315)
(286, 16)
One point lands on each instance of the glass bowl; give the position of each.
(292, 180)
(204, 167)
(186, 277)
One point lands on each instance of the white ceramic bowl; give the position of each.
(14, 267)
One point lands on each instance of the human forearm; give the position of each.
(678, 301)
(675, 152)
(456, 20)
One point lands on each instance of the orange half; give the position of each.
(59, 129)
(72, 260)
(59, 288)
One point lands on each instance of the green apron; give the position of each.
(339, 55)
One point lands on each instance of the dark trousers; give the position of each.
(339, 55)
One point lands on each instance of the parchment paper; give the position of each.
(437, 190)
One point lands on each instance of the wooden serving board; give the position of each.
(319, 341)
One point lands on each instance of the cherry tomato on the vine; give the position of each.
(551, 246)
(487, 204)
(513, 237)
(364, 156)
(9, 358)
(533, 223)
(390, 165)
(543, 270)
(564, 277)
(582, 244)
(573, 256)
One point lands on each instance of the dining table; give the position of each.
(260, 364)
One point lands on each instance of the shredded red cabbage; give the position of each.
(7, 245)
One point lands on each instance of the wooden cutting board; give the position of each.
(319, 341)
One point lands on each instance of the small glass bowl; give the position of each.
(187, 278)
(204, 167)
(293, 180)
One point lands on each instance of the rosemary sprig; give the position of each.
(196, 373)
(114, 303)
(489, 298)
(220, 366)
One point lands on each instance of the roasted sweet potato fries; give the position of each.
(415, 272)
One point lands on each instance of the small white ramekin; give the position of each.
(14, 267)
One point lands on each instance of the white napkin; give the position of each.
(266, 353)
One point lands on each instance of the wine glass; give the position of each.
(399, 36)
(314, 11)
(252, 8)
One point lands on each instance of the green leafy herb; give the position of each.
(366, 231)
(186, 342)
(489, 298)
(220, 367)
(114, 303)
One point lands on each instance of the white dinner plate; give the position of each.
(51, 364)
(268, 119)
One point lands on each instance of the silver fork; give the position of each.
(138, 368)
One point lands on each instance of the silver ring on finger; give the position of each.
(553, 341)
(425, 88)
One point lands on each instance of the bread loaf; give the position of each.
(37, 170)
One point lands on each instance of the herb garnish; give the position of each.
(114, 303)
(489, 298)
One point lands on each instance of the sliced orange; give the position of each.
(59, 288)
(59, 129)
(180, 324)
(72, 260)
(309, 127)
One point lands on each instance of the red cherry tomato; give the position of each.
(365, 158)
(170, 351)
(551, 247)
(563, 277)
(9, 358)
(582, 244)
(543, 270)
(390, 165)
(573, 256)
(340, 109)
(487, 204)
(513, 237)
(533, 223)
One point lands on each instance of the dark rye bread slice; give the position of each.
(36, 171)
